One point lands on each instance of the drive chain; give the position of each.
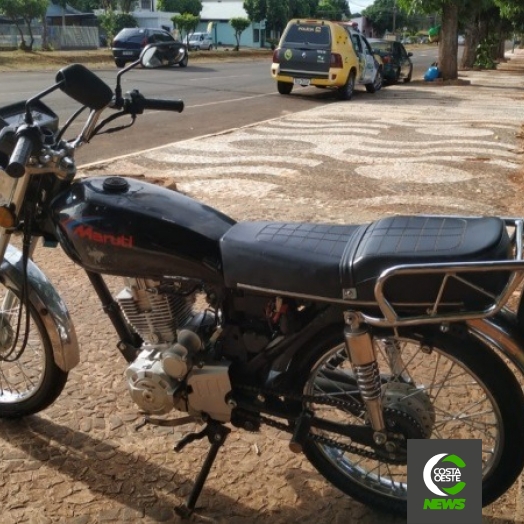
(329, 401)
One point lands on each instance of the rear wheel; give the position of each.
(284, 88)
(346, 91)
(30, 380)
(119, 62)
(445, 388)
(376, 85)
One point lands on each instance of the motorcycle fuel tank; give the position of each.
(122, 226)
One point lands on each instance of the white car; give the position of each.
(200, 41)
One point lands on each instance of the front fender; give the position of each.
(48, 304)
(501, 332)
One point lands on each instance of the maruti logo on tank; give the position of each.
(103, 238)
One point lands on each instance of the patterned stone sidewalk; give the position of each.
(412, 148)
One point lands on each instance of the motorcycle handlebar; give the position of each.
(19, 157)
(163, 105)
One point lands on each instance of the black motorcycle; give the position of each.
(351, 338)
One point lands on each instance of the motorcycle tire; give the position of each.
(30, 380)
(417, 391)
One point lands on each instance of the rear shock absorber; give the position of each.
(359, 347)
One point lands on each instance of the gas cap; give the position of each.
(115, 184)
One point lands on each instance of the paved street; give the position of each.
(446, 149)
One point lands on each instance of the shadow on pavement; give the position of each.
(152, 491)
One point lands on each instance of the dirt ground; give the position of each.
(101, 58)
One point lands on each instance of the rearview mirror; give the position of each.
(162, 54)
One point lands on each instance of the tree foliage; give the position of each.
(27, 11)
(193, 7)
(276, 13)
(333, 9)
(86, 6)
(186, 24)
(112, 23)
(386, 16)
(239, 25)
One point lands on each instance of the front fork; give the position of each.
(361, 353)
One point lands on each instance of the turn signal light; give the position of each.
(7, 217)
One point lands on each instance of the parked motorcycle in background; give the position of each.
(351, 338)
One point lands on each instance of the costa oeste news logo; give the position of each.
(438, 479)
(445, 481)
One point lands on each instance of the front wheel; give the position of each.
(30, 380)
(434, 385)
(184, 61)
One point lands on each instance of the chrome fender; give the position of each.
(47, 302)
(501, 332)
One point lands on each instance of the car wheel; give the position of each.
(184, 61)
(119, 62)
(376, 85)
(284, 88)
(346, 91)
(397, 75)
(408, 78)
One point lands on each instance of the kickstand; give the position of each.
(216, 434)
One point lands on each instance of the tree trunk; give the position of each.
(448, 46)
(31, 36)
(45, 44)
(23, 45)
(472, 40)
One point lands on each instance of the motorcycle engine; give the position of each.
(172, 370)
(154, 313)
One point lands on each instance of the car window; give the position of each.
(356, 43)
(366, 46)
(131, 35)
(137, 38)
(314, 34)
(164, 37)
(397, 49)
(382, 46)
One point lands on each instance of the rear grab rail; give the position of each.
(451, 272)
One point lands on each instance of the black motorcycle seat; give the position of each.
(293, 257)
(327, 261)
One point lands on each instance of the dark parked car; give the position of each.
(397, 61)
(128, 44)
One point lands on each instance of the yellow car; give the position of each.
(328, 54)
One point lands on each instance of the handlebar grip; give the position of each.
(163, 105)
(19, 157)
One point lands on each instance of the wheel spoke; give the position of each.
(431, 390)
